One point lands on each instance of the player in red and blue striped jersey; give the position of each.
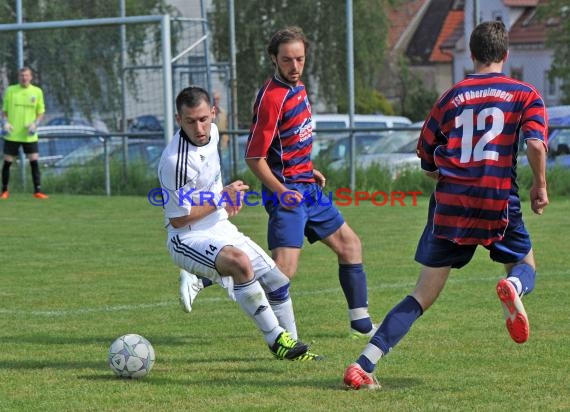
(289, 155)
(471, 138)
(279, 154)
(469, 144)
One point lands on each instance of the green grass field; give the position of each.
(78, 271)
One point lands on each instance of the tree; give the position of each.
(77, 67)
(415, 99)
(556, 14)
(324, 23)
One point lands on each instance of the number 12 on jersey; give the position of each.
(478, 152)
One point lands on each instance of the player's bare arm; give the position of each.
(197, 212)
(536, 154)
(261, 170)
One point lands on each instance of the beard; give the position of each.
(292, 79)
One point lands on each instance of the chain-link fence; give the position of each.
(84, 79)
(117, 75)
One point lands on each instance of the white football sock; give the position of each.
(358, 313)
(284, 313)
(252, 299)
(373, 353)
(516, 283)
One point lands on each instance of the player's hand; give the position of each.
(320, 178)
(32, 127)
(235, 203)
(434, 175)
(233, 210)
(7, 127)
(290, 199)
(538, 199)
(236, 186)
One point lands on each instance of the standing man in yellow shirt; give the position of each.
(23, 109)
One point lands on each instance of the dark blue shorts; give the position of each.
(436, 252)
(316, 217)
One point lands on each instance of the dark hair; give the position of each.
(489, 42)
(25, 69)
(191, 96)
(286, 35)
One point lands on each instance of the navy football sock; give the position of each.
(353, 282)
(522, 276)
(396, 324)
(366, 363)
(205, 281)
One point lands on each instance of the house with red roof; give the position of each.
(529, 58)
(417, 30)
(434, 36)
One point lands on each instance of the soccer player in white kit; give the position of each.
(201, 239)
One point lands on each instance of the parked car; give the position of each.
(78, 121)
(394, 150)
(146, 151)
(331, 127)
(56, 142)
(339, 150)
(558, 111)
(558, 145)
(341, 121)
(332, 143)
(146, 124)
(559, 139)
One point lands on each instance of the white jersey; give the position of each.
(188, 175)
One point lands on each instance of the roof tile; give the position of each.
(453, 20)
(400, 18)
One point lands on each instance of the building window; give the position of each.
(517, 73)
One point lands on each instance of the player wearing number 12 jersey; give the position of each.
(469, 144)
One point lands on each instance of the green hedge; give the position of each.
(140, 180)
(90, 180)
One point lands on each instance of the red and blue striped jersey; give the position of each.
(281, 131)
(472, 138)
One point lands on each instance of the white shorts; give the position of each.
(196, 251)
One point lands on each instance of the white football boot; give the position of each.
(190, 286)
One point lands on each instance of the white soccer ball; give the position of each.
(131, 356)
